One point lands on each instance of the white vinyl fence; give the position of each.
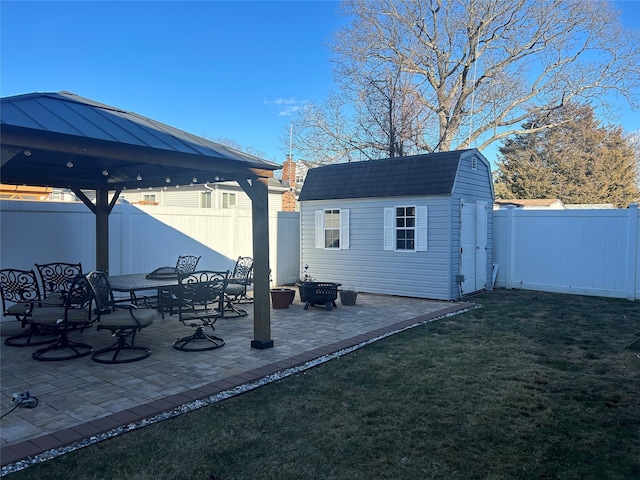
(142, 238)
(587, 252)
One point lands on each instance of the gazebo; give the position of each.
(66, 141)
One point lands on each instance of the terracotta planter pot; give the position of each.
(282, 297)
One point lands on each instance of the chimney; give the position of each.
(289, 171)
(289, 176)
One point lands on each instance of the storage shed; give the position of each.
(417, 226)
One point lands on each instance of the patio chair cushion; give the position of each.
(235, 289)
(122, 318)
(54, 315)
(21, 308)
(18, 308)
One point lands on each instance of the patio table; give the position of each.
(136, 282)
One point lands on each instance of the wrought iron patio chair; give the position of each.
(241, 277)
(56, 279)
(236, 291)
(167, 296)
(20, 291)
(187, 263)
(74, 315)
(123, 320)
(200, 304)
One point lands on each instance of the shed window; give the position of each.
(405, 228)
(332, 229)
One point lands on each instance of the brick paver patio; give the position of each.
(80, 399)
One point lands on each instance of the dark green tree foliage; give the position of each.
(576, 160)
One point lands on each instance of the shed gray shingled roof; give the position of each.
(430, 174)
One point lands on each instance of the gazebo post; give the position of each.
(102, 210)
(258, 192)
(102, 230)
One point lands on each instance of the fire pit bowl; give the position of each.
(318, 293)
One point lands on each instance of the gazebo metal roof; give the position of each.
(64, 140)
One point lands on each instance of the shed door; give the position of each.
(473, 246)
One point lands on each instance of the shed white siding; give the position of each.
(366, 265)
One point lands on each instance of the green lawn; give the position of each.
(533, 385)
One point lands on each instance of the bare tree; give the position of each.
(231, 143)
(435, 75)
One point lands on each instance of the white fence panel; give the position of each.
(142, 238)
(635, 277)
(588, 252)
(155, 236)
(43, 232)
(287, 249)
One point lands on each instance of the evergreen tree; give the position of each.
(576, 160)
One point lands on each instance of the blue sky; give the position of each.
(220, 69)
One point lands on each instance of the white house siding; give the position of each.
(471, 185)
(190, 197)
(366, 266)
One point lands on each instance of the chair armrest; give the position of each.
(132, 312)
(126, 306)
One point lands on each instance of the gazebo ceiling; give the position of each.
(63, 140)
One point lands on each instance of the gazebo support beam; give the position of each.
(258, 192)
(102, 208)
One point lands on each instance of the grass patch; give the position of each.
(533, 385)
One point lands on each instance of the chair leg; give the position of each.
(26, 338)
(185, 343)
(112, 354)
(54, 352)
(232, 309)
(244, 298)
